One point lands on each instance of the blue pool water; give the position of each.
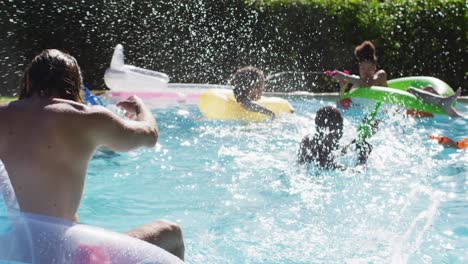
(240, 197)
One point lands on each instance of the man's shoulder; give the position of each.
(70, 107)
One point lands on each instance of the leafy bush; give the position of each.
(207, 40)
(420, 37)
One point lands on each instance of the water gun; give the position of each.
(343, 103)
(367, 128)
(90, 98)
(443, 140)
(335, 73)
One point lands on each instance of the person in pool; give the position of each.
(368, 73)
(249, 83)
(48, 137)
(321, 148)
(370, 76)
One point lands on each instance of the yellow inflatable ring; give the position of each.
(220, 104)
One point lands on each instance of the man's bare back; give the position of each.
(46, 145)
(48, 137)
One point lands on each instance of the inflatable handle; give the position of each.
(365, 129)
(343, 103)
(90, 98)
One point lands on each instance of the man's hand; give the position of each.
(123, 135)
(132, 105)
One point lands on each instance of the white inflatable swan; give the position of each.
(120, 77)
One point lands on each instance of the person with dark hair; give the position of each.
(48, 137)
(249, 83)
(368, 73)
(328, 131)
(370, 76)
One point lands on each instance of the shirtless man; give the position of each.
(48, 137)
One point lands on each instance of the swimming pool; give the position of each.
(239, 196)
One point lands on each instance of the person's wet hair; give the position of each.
(319, 148)
(245, 79)
(52, 73)
(365, 52)
(329, 120)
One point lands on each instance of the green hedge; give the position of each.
(206, 40)
(419, 37)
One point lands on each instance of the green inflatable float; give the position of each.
(396, 93)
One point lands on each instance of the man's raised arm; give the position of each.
(109, 130)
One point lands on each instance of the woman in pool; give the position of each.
(249, 83)
(368, 73)
(370, 76)
(48, 137)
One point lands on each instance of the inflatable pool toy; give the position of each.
(344, 103)
(367, 128)
(90, 98)
(443, 140)
(33, 238)
(128, 78)
(220, 104)
(396, 93)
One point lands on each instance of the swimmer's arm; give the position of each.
(341, 76)
(380, 79)
(345, 149)
(364, 149)
(254, 107)
(118, 134)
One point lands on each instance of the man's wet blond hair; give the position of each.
(52, 74)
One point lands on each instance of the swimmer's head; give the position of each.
(365, 54)
(248, 83)
(52, 73)
(329, 123)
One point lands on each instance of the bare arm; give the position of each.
(354, 79)
(254, 107)
(380, 79)
(123, 135)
